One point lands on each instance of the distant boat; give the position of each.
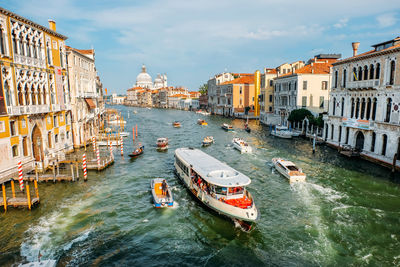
(160, 199)
(176, 124)
(202, 122)
(207, 141)
(162, 143)
(227, 127)
(289, 170)
(241, 145)
(282, 132)
(138, 151)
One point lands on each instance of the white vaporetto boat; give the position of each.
(217, 185)
(241, 145)
(289, 170)
(282, 132)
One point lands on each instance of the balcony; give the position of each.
(28, 110)
(368, 84)
(34, 62)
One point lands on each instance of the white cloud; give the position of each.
(386, 20)
(341, 23)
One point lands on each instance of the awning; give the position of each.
(90, 103)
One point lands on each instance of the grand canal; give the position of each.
(348, 212)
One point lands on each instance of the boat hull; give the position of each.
(242, 149)
(159, 200)
(290, 178)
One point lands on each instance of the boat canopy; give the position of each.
(286, 162)
(212, 170)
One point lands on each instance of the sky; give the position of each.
(192, 41)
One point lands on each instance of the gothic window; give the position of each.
(374, 109)
(371, 71)
(360, 76)
(357, 115)
(2, 42)
(384, 144)
(362, 108)
(28, 48)
(355, 74)
(61, 58)
(344, 78)
(368, 114)
(33, 96)
(25, 146)
(336, 79)
(388, 109)
(378, 71)
(48, 53)
(7, 94)
(365, 72)
(373, 142)
(21, 46)
(20, 96)
(342, 111)
(15, 43)
(392, 69)
(334, 106)
(352, 107)
(332, 131)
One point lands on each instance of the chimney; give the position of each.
(52, 25)
(355, 48)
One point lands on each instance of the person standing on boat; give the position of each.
(164, 187)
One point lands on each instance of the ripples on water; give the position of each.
(346, 213)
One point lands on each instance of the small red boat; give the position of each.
(162, 143)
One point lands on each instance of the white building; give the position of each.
(364, 108)
(306, 87)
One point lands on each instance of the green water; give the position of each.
(348, 212)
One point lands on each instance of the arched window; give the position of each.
(362, 108)
(33, 96)
(378, 71)
(368, 114)
(342, 111)
(25, 146)
(27, 96)
(355, 74)
(28, 48)
(388, 109)
(373, 142)
(374, 109)
(365, 72)
(20, 96)
(21, 46)
(48, 53)
(357, 115)
(61, 58)
(352, 108)
(384, 144)
(371, 72)
(326, 131)
(347, 134)
(2, 44)
(34, 48)
(336, 79)
(7, 94)
(360, 76)
(15, 43)
(332, 130)
(334, 106)
(15, 151)
(392, 69)
(340, 134)
(344, 78)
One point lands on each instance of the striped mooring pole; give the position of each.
(98, 157)
(84, 166)
(94, 143)
(110, 147)
(20, 178)
(122, 146)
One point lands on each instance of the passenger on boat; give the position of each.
(164, 187)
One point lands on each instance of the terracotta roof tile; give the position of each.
(246, 79)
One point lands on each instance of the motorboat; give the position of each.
(241, 145)
(216, 185)
(138, 151)
(176, 124)
(203, 112)
(124, 134)
(202, 122)
(162, 143)
(282, 132)
(161, 198)
(227, 127)
(208, 140)
(289, 170)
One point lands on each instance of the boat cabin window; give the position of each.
(292, 168)
(220, 190)
(182, 166)
(235, 190)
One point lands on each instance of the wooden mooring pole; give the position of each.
(28, 194)
(4, 197)
(72, 171)
(36, 189)
(13, 188)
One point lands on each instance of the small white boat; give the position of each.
(227, 127)
(105, 143)
(42, 263)
(289, 170)
(162, 143)
(282, 132)
(241, 145)
(161, 199)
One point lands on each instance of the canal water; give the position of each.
(348, 212)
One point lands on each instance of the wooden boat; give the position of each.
(138, 151)
(227, 127)
(162, 143)
(161, 200)
(202, 122)
(282, 132)
(289, 170)
(207, 141)
(241, 145)
(216, 185)
(176, 124)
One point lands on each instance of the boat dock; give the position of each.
(17, 198)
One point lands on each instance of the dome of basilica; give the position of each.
(144, 78)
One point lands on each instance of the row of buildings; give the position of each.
(50, 94)
(359, 97)
(145, 93)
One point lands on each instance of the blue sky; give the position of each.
(193, 40)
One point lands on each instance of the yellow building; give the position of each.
(35, 119)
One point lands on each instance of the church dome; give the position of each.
(143, 78)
